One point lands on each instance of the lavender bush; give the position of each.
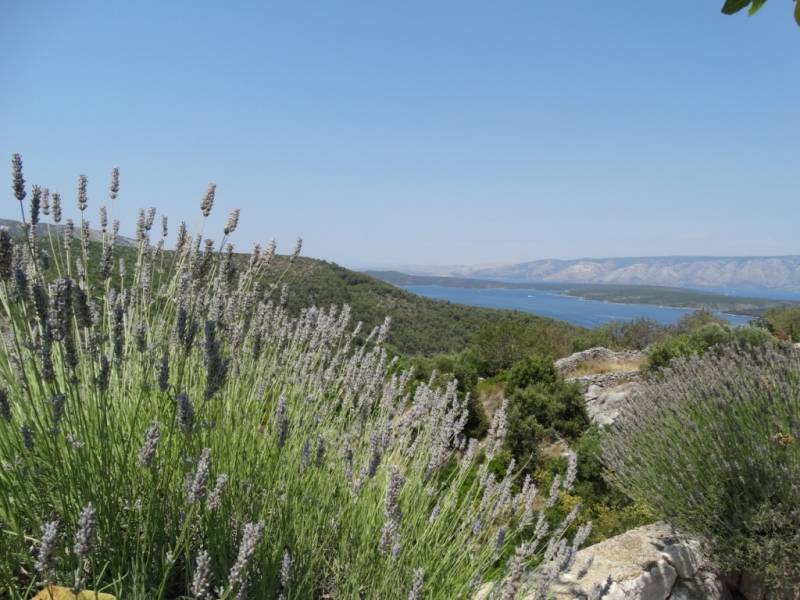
(713, 446)
(169, 432)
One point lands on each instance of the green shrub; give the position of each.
(713, 446)
(712, 334)
(702, 338)
(498, 346)
(691, 322)
(602, 336)
(638, 334)
(785, 319)
(540, 405)
(748, 335)
(172, 430)
(635, 334)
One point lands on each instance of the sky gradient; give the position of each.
(388, 133)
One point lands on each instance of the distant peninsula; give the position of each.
(742, 272)
(674, 297)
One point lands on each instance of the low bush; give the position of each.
(541, 405)
(634, 334)
(786, 320)
(703, 337)
(713, 446)
(170, 432)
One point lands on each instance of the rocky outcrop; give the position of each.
(570, 363)
(605, 380)
(604, 405)
(653, 562)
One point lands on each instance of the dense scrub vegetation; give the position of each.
(420, 326)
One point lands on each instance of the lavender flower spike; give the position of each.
(416, 586)
(253, 532)
(215, 497)
(82, 200)
(87, 532)
(46, 559)
(198, 485)
(148, 451)
(286, 570)
(185, 412)
(233, 221)
(19, 182)
(208, 199)
(201, 582)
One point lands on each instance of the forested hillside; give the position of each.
(419, 325)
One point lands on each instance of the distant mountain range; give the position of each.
(744, 272)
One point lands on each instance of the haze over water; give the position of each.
(587, 313)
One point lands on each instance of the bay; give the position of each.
(587, 313)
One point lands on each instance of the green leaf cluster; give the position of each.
(733, 6)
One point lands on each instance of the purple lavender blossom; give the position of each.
(46, 558)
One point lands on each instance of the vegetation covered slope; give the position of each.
(419, 325)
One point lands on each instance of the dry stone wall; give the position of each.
(605, 380)
(570, 363)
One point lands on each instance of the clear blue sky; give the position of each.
(432, 132)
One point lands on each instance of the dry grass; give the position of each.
(491, 397)
(552, 450)
(598, 367)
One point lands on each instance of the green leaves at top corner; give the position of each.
(734, 6)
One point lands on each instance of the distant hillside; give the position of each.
(744, 272)
(605, 292)
(419, 325)
(95, 235)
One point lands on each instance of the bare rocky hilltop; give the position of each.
(745, 272)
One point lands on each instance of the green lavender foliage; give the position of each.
(167, 430)
(712, 444)
(702, 339)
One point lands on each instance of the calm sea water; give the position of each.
(588, 313)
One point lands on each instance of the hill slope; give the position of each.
(419, 325)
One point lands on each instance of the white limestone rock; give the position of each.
(603, 406)
(685, 559)
(654, 584)
(626, 558)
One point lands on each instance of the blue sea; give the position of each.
(587, 313)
